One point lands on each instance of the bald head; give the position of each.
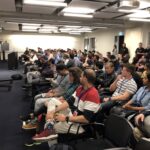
(90, 75)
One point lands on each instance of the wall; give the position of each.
(18, 42)
(104, 39)
(133, 36)
(146, 31)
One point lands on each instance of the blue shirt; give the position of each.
(142, 97)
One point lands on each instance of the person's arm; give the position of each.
(113, 86)
(77, 119)
(110, 81)
(129, 107)
(80, 119)
(125, 96)
(63, 106)
(127, 104)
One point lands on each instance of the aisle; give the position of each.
(12, 104)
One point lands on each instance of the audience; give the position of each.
(84, 83)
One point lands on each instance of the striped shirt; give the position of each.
(125, 85)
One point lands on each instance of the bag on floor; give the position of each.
(16, 77)
(61, 147)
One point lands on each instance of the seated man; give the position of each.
(106, 79)
(86, 103)
(139, 102)
(59, 90)
(124, 87)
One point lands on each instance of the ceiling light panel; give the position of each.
(106, 1)
(29, 27)
(45, 3)
(144, 4)
(72, 26)
(81, 10)
(31, 24)
(75, 33)
(49, 27)
(78, 15)
(29, 30)
(139, 19)
(92, 6)
(140, 14)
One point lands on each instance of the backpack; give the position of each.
(16, 77)
(60, 146)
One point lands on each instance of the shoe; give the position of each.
(47, 134)
(32, 143)
(26, 86)
(25, 118)
(30, 125)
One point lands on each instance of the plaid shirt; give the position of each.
(72, 87)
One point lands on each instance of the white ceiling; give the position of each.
(7, 5)
(105, 13)
(38, 9)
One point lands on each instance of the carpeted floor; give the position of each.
(13, 104)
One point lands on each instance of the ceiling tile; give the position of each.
(9, 26)
(38, 9)
(106, 15)
(7, 5)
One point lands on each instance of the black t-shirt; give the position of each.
(140, 50)
(124, 51)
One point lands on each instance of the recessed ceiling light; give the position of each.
(75, 33)
(80, 10)
(78, 15)
(140, 14)
(29, 30)
(139, 19)
(45, 3)
(29, 27)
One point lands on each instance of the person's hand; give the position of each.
(124, 106)
(106, 99)
(128, 107)
(46, 103)
(49, 94)
(101, 89)
(60, 117)
(119, 77)
(139, 118)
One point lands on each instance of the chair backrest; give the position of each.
(143, 144)
(118, 130)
